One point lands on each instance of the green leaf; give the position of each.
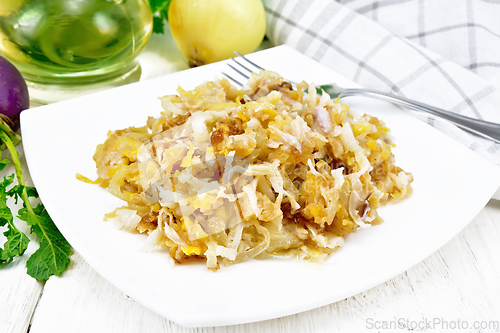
(17, 191)
(3, 262)
(38, 267)
(159, 5)
(13, 136)
(154, 4)
(5, 213)
(16, 243)
(158, 25)
(7, 180)
(159, 8)
(3, 163)
(52, 257)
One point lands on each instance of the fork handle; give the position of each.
(479, 127)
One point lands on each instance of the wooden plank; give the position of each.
(457, 282)
(19, 293)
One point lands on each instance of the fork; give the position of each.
(482, 128)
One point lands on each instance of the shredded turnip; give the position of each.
(323, 118)
(126, 219)
(287, 138)
(152, 241)
(229, 175)
(170, 109)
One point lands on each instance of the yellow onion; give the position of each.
(207, 31)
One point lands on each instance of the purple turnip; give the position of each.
(14, 96)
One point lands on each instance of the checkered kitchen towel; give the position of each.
(444, 53)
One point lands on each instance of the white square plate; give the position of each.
(452, 184)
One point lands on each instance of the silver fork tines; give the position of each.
(243, 67)
(485, 129)
(247, 60)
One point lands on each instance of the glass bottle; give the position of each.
(66, 48)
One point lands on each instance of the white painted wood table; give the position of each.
(457, 287)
